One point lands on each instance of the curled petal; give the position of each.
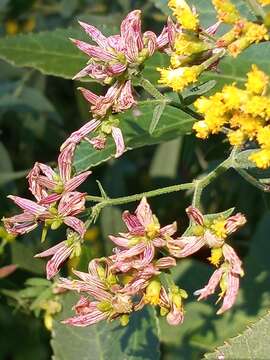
(125, 99)
(145, 258)
(95, 34)
(135, 250)
(78, 135)
(232, 258)
(59, 253)
(20, 224)
(76, 224)
(65, 162)
(163, 38)
(76, 181)
(210, 288)
(133, 224)
(89, 95)
(83, 306)
(151, 41)
(93, 51)
(28, 205)
(96, 71)
(169, 230)
(116, 69)
(120, 241)
(97, 142)
(185, 245)
(234, 222)
(91, 318)
(71, 203)
(119, 141)
(144, 212)
(165, 262)
(195, 215)
(231, 293)
(175, 316)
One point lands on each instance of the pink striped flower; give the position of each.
(100, 285)
(118, 98)
(227, 277)
(71, 204)
(211, 233)
(114, 55)
(47, 185)
(137, 247)
(59, 253)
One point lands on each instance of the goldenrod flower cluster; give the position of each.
(226, 11)
(244, 114)
(187, 45)
(187, 18)
(264, 2)
(244, 32)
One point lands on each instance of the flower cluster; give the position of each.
(193, 50)
(114, 61)
(135, 274)
(56, 203)
(187, 47)
(243, 114)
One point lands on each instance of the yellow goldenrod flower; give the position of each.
(202, 129)
(179, 78)
(263, 136)
(261, 158)
(248, 124)
(236, 138)
(227, 12)
(256, 106)
(188, 45)
(255, 32)
(244, 114)
(184, 15)
(257, 81)
(216, 256)
(233, 97)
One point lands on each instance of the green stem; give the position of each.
(187, 110)
(136, 197)
(200, 184)
(256, 8)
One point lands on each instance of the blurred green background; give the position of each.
(37, 113)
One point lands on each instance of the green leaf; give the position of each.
(107, 341)
(254, 343)
(160, 166)
(50, 52)
(247, 169)
(158, 111)
(23, 256)
(191, 94)
(135, 125)
(162, 5)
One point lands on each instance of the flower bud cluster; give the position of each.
(244, 114)
(136, 274)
